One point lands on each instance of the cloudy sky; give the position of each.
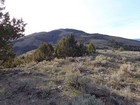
(112, 17)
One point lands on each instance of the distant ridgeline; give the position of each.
(128, 47)
(137, 39)
(100, 41)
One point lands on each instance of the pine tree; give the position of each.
(10, 29)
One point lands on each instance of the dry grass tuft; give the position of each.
(106, 78)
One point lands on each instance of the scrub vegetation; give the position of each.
(103, 78)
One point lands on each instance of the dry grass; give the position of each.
(112, 77)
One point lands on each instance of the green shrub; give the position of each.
(121, 49)
(91, 48)
(66, 47)
(12, 63)
(8, 64)
(44, 52)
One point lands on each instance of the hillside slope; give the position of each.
(32, 41)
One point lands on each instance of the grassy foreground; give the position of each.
(106, 78)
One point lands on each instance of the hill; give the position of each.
(101, 41)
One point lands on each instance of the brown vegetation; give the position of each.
(105, 78)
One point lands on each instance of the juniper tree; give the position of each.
(66, 47)
(10, 29)
(44, 52)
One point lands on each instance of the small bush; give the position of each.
(81, 83)
(91, 48)
(44, 52)
(100, 58)
(12, 63)
(8, 64)
(121, 49)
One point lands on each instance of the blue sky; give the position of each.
(112, 17)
